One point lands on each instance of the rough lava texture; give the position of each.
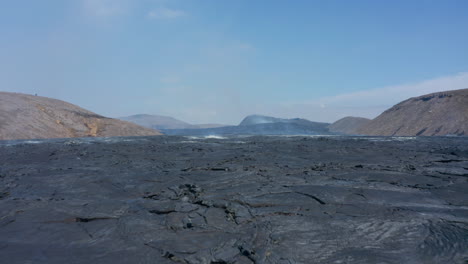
(25, 116)
(436, 114)
(348, 125)
(237, 200)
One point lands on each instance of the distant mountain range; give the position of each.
(32, 117)
(164, 122)
(261, 125)
(435, 114)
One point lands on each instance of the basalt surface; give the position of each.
(238, 200)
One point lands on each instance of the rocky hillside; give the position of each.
(163, 122)
(348, 125)
(30, 117)
(436, 114)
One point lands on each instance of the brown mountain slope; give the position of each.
(29, 117)
(348, 125)
(435, 114)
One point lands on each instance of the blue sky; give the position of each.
(212, 61)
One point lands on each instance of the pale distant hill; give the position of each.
(261, 125)
(348, 125)
(164, 122)
(156, 121)
(25, 116)
(207, 125)
(261, 119)
(436, 114)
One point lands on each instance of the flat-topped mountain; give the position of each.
(260, 119)
(436, 114)
(348, 125)
(25, 116)
(163, 122)
(261, 125)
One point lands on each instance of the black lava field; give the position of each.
(259, 199)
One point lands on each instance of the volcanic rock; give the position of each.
(236, 200)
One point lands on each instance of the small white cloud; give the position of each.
(216, 105)
(165, 13)
(369, 103)
(391, 95)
